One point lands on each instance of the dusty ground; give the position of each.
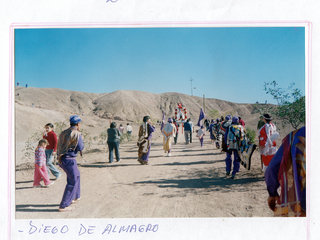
(191, 183)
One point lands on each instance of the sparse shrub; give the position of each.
(87, 139)
(251, 134)
(214, 114)
(60, 126)
(30, 146)
(126, 136)
(130, 137)
(103, 136)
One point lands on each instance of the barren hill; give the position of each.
(34, 107)
(124, 105)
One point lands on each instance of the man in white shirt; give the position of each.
(129, 131)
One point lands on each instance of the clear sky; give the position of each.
(225, 63)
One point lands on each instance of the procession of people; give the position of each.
(227, 132)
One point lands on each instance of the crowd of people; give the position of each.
(230, 131)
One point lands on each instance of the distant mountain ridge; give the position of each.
(124, 105)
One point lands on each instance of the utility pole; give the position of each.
(191, 87)
(204, 105)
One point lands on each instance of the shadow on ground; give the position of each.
(201, 182)
(37, 208)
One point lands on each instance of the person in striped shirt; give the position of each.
(40, 167)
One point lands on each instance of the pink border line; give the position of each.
(310, 26)
(167, 24)
(13, 26)
(11, 68)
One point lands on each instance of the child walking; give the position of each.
(40, 168)
(200, 135)
(51, 150)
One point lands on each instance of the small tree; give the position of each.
(291, 104)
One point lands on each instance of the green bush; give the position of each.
(251, 134)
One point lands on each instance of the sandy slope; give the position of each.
(191, 183)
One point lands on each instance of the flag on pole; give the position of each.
(162, 124)
(202, 116)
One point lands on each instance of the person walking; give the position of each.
(287, 170)
(187, 130)
(113, 141)
(51, 150)
(200, 135)
(40, 168)
(212, 132)
(69, 144)
(267, 136)
(121, 128)
(224, 131)
(177, 131)
(235, 135)
(216, 128)
(168, 132)
(144, 140)
(192, 129)
(129, 131)
(242, 123)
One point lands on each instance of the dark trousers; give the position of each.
(176, 138)
(115, 146)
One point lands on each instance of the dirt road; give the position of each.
(191, 183)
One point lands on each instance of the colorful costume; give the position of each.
(224, 131)
(40, 168)
(212, 130)
(235, 135)
(288, 170)
(144, 142)
(216, 128)
(268, 148)
(69, 144)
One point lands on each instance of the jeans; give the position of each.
(51, 167)
(186, 135)
(115, 146)
(128, 135)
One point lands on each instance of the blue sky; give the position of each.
(225, 63)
